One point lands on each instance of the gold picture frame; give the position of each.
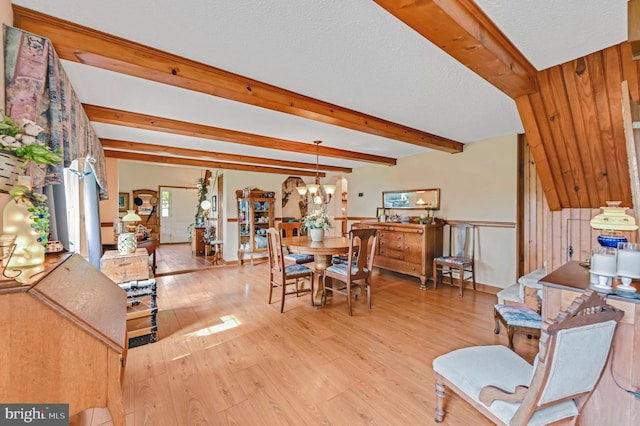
(123, 201)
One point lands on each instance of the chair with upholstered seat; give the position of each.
(292, 229)
(505, 388)
(362, 243)
(283, 275)
(461, 258)
(517, 319)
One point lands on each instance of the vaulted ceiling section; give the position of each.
(571, 112)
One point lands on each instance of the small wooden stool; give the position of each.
(517, 319)
(216, 246)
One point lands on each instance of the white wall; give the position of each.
(478, 184)
(128, 176)
(133, 175)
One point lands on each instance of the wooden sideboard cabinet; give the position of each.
(63, 339)
(407, 248)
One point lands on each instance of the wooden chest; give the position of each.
(125, 267)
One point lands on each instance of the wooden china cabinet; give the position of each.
(255, 216)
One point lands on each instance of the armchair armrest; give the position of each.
(488, 394)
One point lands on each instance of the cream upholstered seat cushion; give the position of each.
(471, 369)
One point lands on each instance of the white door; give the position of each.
(178, 207)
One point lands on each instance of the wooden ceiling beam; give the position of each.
(179, 161)
(81, 44)
(462, 29)
(167, 125)
(112, 144)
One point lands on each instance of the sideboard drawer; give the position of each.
(391, 252)
(390, 236)
(391, 244)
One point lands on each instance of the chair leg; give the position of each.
(435, 275)
(368, 294)
(270, 290)
(323, 298)
(284, 290)
(473, 276)
(439, 399)
(510, 333)
(349, 298)
(312, 289)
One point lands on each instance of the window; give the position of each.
(165, 203)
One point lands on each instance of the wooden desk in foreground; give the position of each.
(609, 405)
(63, 339)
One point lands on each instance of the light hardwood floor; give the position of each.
(225, 356)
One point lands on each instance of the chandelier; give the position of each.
(320, 194)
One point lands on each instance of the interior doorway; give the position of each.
(178, 206)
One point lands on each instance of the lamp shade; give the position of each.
(131, 216)
(313, 188)
(614, 218)
(330, 189)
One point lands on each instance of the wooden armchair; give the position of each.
(574, 349)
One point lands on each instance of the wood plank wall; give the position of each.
(575, 128)
(550, 235)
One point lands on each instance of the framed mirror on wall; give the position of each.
(415, 199)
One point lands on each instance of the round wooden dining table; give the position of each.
(322, 252)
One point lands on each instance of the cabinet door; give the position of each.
(413, 248)
(261, 222)
(244, 225)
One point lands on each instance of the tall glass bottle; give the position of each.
(17, 221)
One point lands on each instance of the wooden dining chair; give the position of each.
(283, 275)
(362, 243)
(293, 229)
(461, 258)
(505, 388)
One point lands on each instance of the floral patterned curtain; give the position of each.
(38, 88)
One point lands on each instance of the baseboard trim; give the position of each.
(483, 288)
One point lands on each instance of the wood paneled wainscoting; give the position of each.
(226, 356)
(552, 236)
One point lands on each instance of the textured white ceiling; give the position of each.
(351, 53)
